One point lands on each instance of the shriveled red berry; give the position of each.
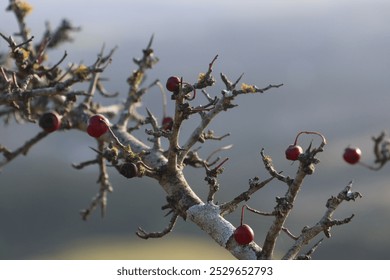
(50, 121)
(352, 155)
(244, 234)
(97, 125)
(293, 152)
(167, 123)
(173, 84)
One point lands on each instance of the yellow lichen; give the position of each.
(201, 77)
(21, 54)
(82, 71)
(23, 7)
(136, 78)
(248, 88)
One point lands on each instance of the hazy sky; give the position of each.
(332, 56)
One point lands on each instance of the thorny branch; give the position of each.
(105, 186)
(308, 255)
(23, 150)
(381, 152)
(30, 89)
(254, 186)
(326, 222)
(146, 235)
(307, 162)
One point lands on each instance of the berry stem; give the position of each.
(309, 132)
(117, 141)
(164, 99)
(219, 165)
(242, 213)
(193, 97)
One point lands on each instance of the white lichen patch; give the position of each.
(207, 217)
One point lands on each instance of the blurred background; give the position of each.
(333, 58)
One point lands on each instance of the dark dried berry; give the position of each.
(128, 169)
(50, 121)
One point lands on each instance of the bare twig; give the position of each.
(267, 160)
(326, 222)
(284, 229)
(309, 253)
(146, 235)
(260, 212)
(254, 186)
(284, 205)
(147, 61)
(156, 130)
(381, 152)
(105, 186)
(100, 63)
(211, 179)
(209, 135)
(84, 164)
(23, 150)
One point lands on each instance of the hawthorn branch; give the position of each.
(22, 95)
(23, 150)
(56, 65)
(146, 235)
(85, 164)
(133, 101)
(267, 160)
(156, 132)
(284, 229)
(62, 33)
(209, 135)
(21, 10)
(254, 186)
(193, 159)
(211, 179)
(221, 104)
(105, 186)
(103, 91)
(101, 62)
(381, 152)
(326, 222)
(308, 254)
(260, 212)
(307, 162)
(33, 88)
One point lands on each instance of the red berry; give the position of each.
(50, 121)
(173, 84)
(244, 234)
(167, 123)
(97, 125)
(352, 155)
(293, 152)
